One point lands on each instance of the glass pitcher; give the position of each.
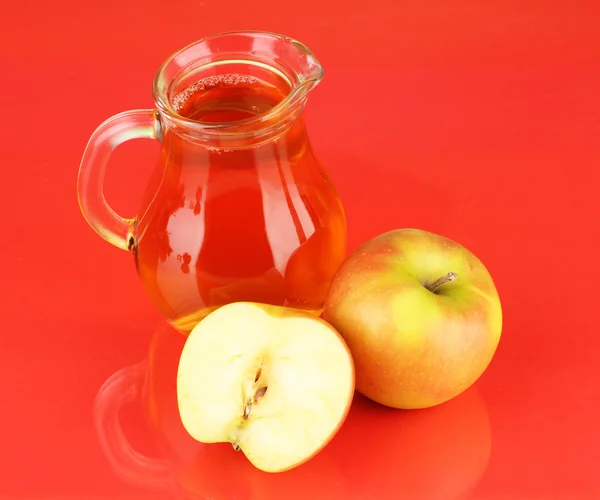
(238, 207)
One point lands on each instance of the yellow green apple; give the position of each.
(421, 315)
(274, 381)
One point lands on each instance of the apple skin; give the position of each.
(413, 348)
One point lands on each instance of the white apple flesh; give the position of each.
(275, 382)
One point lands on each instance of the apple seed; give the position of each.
(247, 407)
(260, 393)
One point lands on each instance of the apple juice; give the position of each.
(258, 223)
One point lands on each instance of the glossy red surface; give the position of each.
(476, 120)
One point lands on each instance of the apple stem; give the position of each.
(447, 278)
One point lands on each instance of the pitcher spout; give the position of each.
(298, 64)
(306, 70)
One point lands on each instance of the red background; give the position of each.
(476, 120)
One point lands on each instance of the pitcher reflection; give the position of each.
(379, 453)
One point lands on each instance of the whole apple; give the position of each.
(420, 314)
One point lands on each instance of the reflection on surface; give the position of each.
(378, 454)
(439, 452)
(117, 391)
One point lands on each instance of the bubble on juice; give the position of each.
(181, 99)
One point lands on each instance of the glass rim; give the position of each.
(299, 88)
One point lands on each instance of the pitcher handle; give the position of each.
(125, 386)
(135, 124)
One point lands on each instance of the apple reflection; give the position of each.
(439, 452)
(379, 453)
(217, 471)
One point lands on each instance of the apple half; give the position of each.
(275, 382)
